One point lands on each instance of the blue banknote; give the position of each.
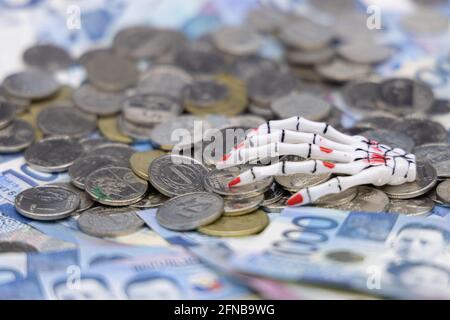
(162, 274)
(380, 254)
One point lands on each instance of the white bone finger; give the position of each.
(289, 136)
(300, 124)
(293, 167)
(379, 175)
(304, 150)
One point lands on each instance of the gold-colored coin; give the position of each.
(140, 162)
(110, 130)
(32, 119)
(245, 225)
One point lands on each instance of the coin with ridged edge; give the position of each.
(239, 207)
(190, 211)
(174, 175)
(16, 137)
(425, 180)
(115, 186)
(109, 222)
(217, 181)
(54, 154)
(411, 207)
(85, 200)
(47, 203)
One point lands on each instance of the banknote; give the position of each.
(381, 254)
(162, 274)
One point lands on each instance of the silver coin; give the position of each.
(190, 211)
(263, 112)
(306, 35)
(135, 131)
(174, 175)
(405, 96)
(31, 84)
(115, 186)
(423, 131)
(273, 194)
(245, 67)
(365, 53)
(265, 18)
(110, 72)
(368, 199)
(443, 191)
(151, 200)
(266, 86)
(190, 130)
(426, 179)
(393, 139)
(276, 207)
(109, 222)
(438, 155)
(7, 113)
(385, 121)
(217, 181)
(238, 207)
(204, 93)
(85, 165)
(237, 40)
(91, 100)
(164, 80)
(66, 121)
(16, 137)
(432, 194)
(301, 104)
(307, 58)
(200, 63)
(336, 199)
(139, 42)
(90, 144)
(47, 57)
(411, 207)
(298, 181)
(150, 109)
(47, 203)
(342, 71)
(54, 154)
(120, 152)
(85, 200)
(361, 97)
(19, 104)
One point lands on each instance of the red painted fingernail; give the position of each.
(226, 157)
(328, 164)
(326, 150)
(296, 199)
(234, 182)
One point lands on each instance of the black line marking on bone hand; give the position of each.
(314, 139)
(282, 135)
(253, 174)
(315, 167)
(326, 128)
(283, 167)
(309, 195)
(407, 171)
(309, 151)
(339, 183)
(240, 155)
(298, 123)
(268, 126)
(395, 165)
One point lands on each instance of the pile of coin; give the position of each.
(152, 82)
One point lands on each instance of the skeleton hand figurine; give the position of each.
(364, 161)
